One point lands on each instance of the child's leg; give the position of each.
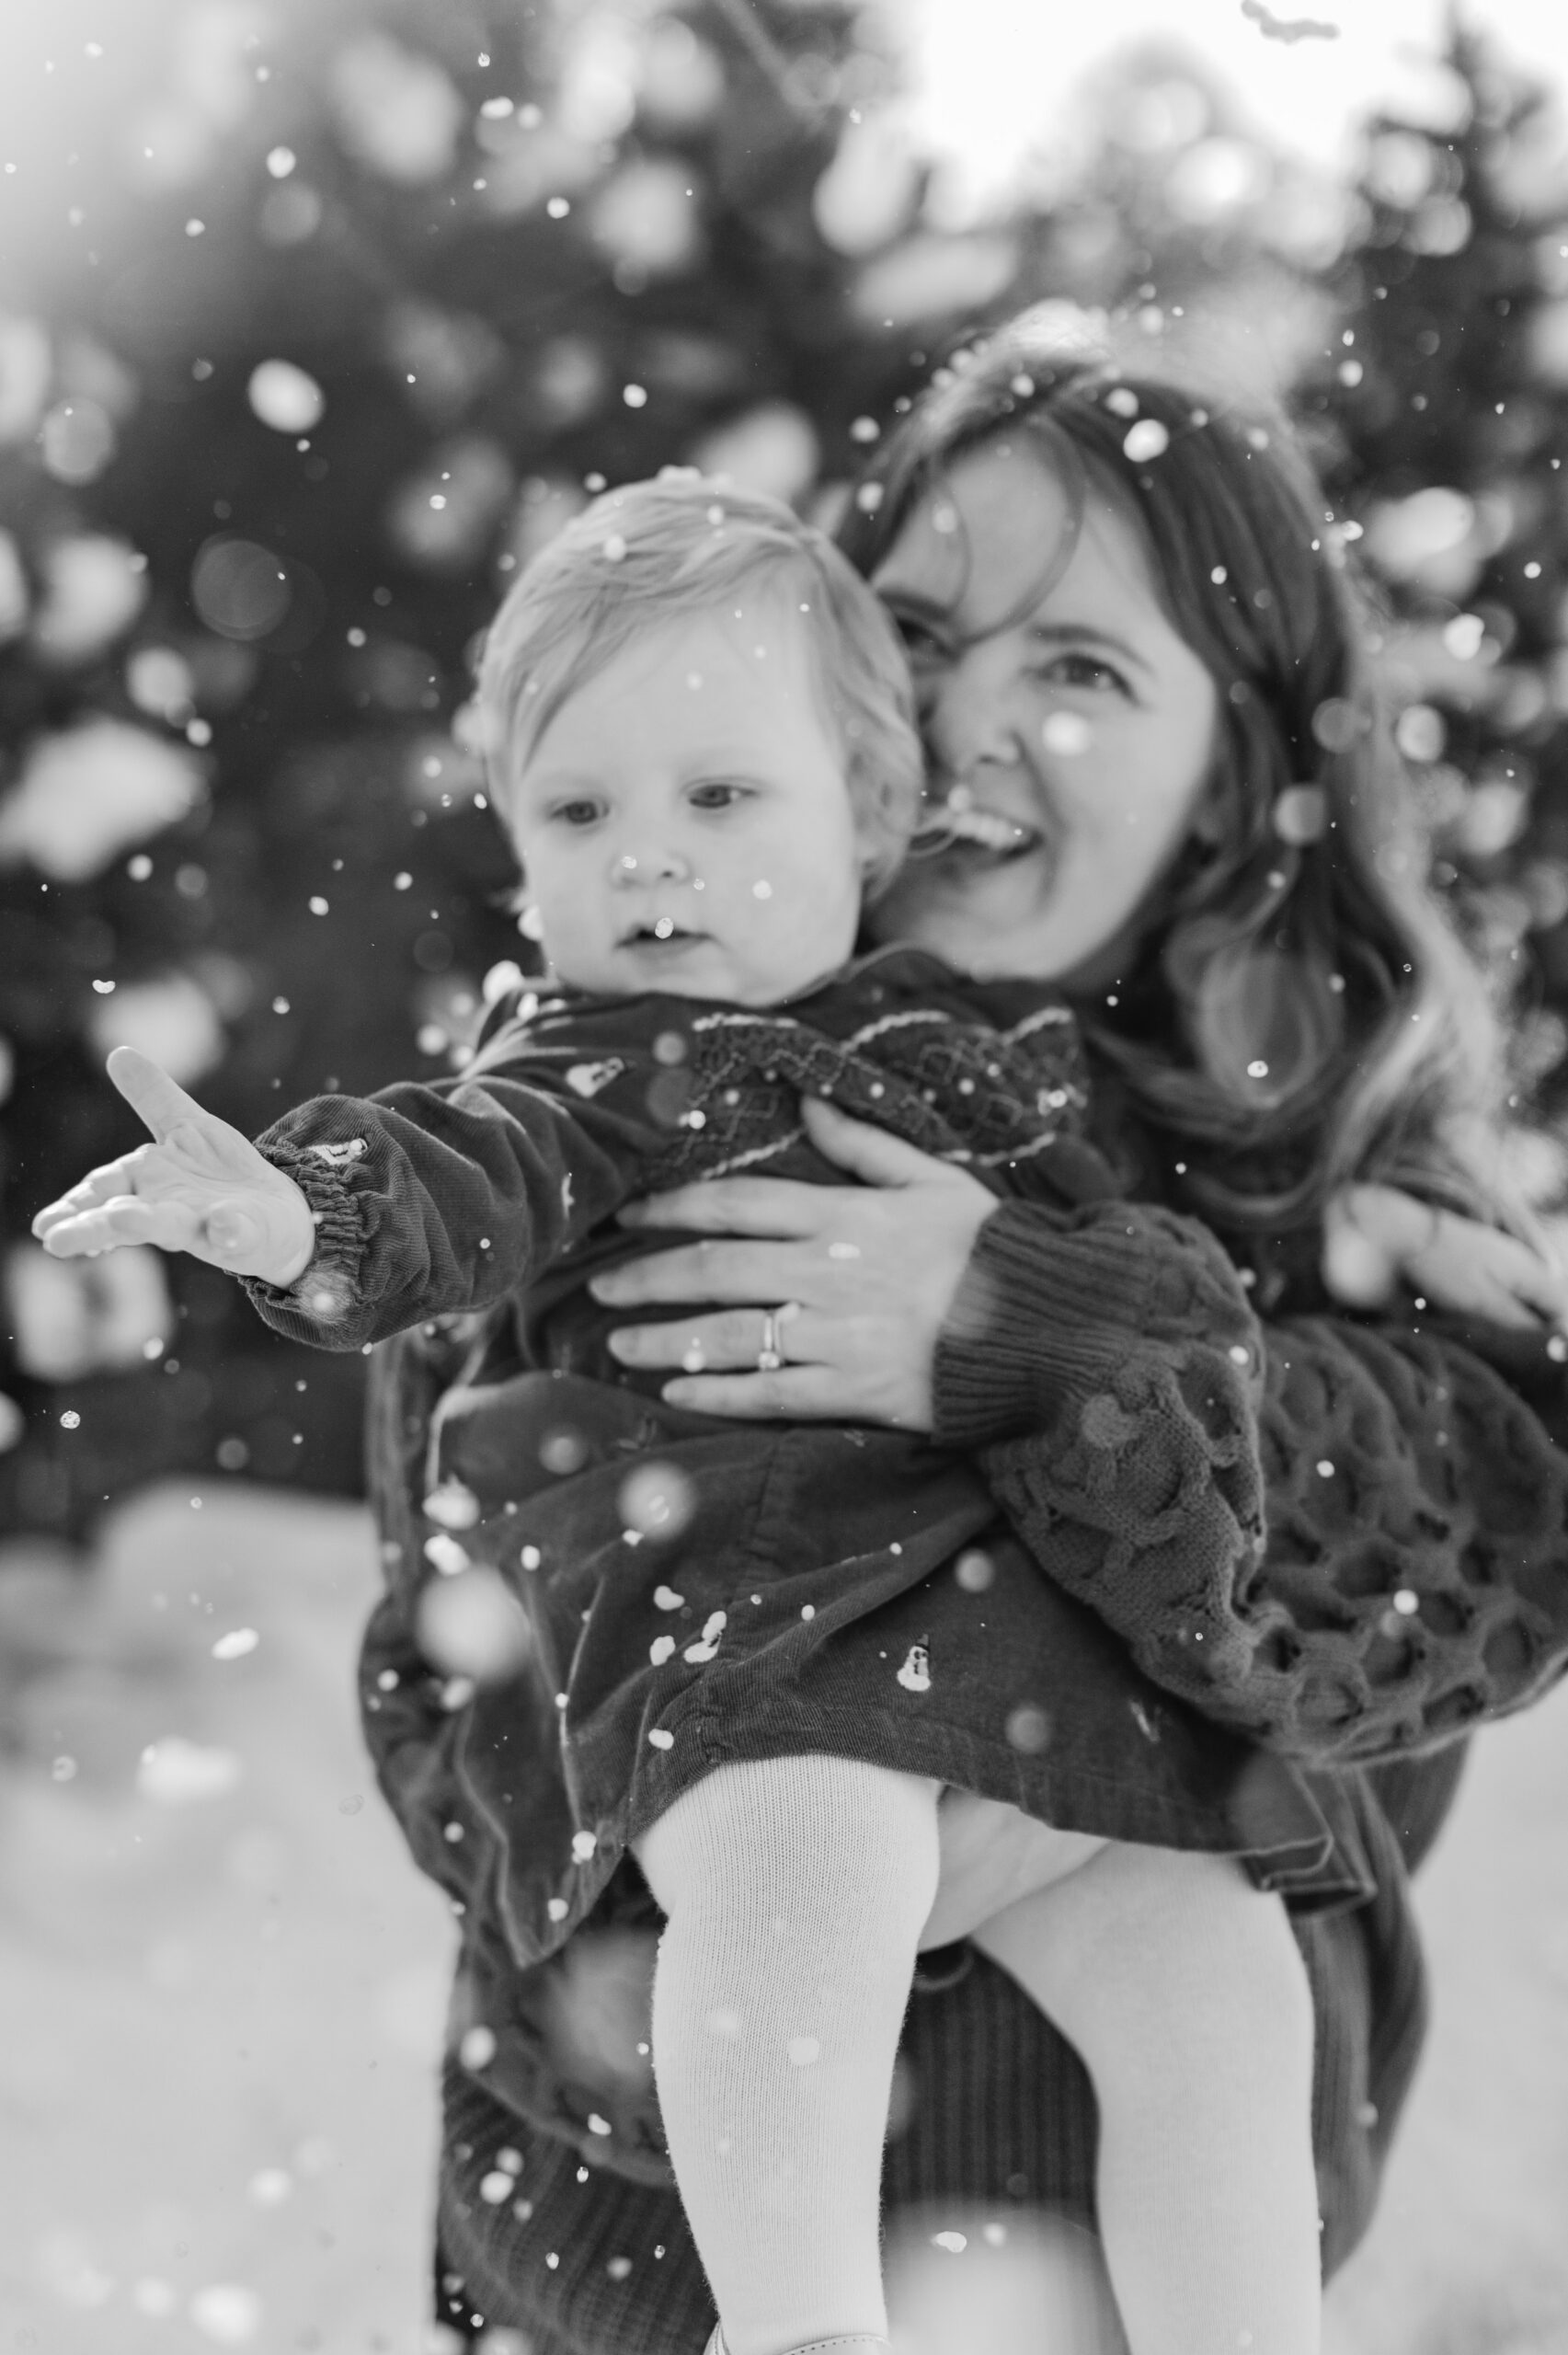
(1182, 1990)
(796, 1890)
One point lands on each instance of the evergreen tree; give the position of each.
(1440, 417)
(289, 385)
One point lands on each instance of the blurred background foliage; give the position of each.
(325, 316)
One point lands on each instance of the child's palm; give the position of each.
(200, 1187)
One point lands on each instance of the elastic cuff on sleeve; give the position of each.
(1042, 1312)
(323, 1289)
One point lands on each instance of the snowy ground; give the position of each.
(222, 1990)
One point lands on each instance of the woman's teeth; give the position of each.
(986, 829)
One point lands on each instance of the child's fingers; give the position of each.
(152, 1094)
(104, 1228)
(103, 1185)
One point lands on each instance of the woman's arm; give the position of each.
(1348, 1540)
(1158, 1448)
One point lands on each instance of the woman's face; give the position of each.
(1078, 718)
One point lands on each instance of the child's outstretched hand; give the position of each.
(1375, 1237)
(200, 1187)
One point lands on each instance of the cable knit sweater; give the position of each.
(1348, 1538)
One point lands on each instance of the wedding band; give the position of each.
(771, 1356)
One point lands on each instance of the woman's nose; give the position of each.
(969, 722)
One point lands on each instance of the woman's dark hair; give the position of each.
(1304, 1013)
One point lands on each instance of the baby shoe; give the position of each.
(857, 2343)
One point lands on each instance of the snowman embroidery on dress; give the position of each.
(587, 1079)
(915, 1673)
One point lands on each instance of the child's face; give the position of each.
(683, 819)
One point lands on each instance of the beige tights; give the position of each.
(798, 1892)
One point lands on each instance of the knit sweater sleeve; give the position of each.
(1347, 1539)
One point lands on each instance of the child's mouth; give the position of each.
(661, 932)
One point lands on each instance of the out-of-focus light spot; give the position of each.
(1028, 1728)
(238, 587)
(974, 1571)
(94, 587)
(472, 1625)
(397, 111)
(236, 1644)
(160, 681)
(1337, 725)
(1067, 732)
(280, 162)
(452, 1505)
(177, 1773)
(1300, 814)
(656, 1499)
(477, 2048)
(228, 2312)
(79, 439)
(1149, 439)
(1421, 732)
(285, 398)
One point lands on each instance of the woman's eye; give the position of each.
(1083, 671)
(924, 648)
(720, 794)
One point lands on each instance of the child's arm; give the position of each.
(200, 1187)
(1376, 1236)
(355, 1217)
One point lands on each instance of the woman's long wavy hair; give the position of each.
(1303, 1014)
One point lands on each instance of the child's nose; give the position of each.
(651, 864)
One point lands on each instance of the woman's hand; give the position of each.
(1376, 1236)
(869, 1273)
(200, 1187)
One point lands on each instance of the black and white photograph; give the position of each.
(783, 1150)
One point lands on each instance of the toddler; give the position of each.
(699, 732)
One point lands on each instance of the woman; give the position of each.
(1343, 1536)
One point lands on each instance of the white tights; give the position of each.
(798, 1893)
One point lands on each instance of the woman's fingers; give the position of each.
(775, 1206)
(732, 1338)
(801, 1394)
(764, 1272)
(874, 1156)
(152, 1094)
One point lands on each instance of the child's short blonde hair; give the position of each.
(652, 552)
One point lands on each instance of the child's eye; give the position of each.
(719, 793)
(580, 813)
